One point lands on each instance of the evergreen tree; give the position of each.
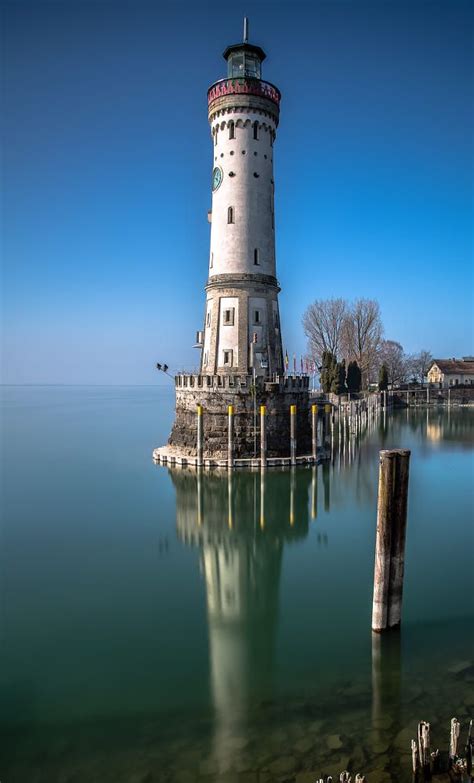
(328, 371)
(339, 381)
(383, 378)
(354, 377)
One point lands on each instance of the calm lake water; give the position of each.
(157, 628)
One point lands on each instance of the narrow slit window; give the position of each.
(229, 316)
(212, 260)
(208, 320)
(255, 130)
(256, 317)
(230, 214)
(256, 257)
(231, 130)
(228, 358)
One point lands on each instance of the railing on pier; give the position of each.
(221, 381)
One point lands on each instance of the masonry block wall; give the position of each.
(215, 402)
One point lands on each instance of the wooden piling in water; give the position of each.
(293, 434)
(390, 540)
(199, 436)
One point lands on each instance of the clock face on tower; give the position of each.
(216, 177)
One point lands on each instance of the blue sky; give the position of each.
(107, 162)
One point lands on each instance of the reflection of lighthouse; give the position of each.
(241, 523)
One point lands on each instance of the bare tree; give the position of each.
(323, 323)
(362, 335)
(391, 354)
(419, 364)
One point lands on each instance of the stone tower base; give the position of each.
(215, 394)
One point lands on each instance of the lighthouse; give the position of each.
(241, 408)
(242, 322)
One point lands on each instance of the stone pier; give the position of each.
(246, 395)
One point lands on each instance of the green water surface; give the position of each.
(157, 626)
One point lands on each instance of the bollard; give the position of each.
(293, 434)
(390, 540)
(230, 441)
(199, 437)
(263, 437)
(314, 430)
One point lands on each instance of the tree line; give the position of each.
(346, 341)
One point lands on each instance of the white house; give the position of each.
(452, 372)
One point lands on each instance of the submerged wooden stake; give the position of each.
(415, 762)
(424, 744)
(390, 540)
(453, 739)
(469, 750)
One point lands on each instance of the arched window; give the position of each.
(231, 130)
(230, 214)
(256, 258)
(255, 130)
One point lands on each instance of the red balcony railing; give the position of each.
(245, 85)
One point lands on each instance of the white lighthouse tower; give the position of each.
(241, 368)
(242, 323)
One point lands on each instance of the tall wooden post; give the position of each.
(230, 439)
(293, 434)
(263, 437)
(199, 436)
(314, 430)
(390, 541)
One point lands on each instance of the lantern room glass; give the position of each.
(241, 63)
